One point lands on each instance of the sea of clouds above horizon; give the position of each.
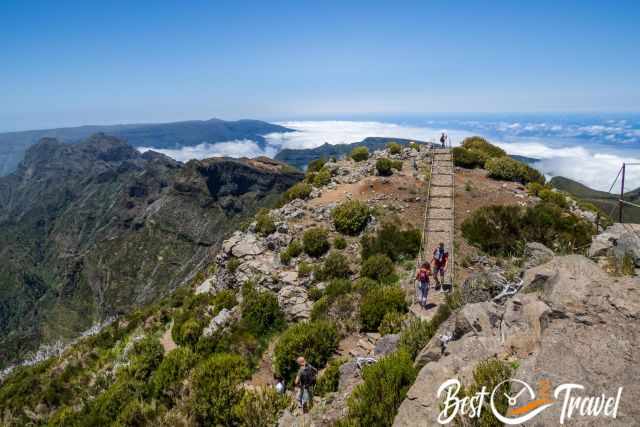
(595, 165)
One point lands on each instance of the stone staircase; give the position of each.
(438, 227)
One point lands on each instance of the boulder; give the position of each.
(386, 345)
(536, 254)
(224, 318)
(295, 303)
(617, 240)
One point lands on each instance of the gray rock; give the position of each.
(295, 302)
(536, 254)
(224, 318)
(386, 345)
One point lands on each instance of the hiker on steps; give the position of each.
(440, 258)
(443, 139)
(422, 276)
(305, 380)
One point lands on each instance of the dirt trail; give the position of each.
(167, 340)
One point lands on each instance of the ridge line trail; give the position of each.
(438, 227)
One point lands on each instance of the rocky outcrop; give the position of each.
(295, 303)
(618, 240)
(536, 254)
(571, 323)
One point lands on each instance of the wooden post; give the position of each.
(622, 193)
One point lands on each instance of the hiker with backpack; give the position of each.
(440, 258)
(443, 139)
(422, 276)
(305, 380)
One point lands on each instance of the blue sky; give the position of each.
(71, 63)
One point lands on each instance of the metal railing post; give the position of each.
(622, 193)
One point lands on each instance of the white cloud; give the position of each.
(578, 162)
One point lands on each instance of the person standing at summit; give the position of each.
(443, 139)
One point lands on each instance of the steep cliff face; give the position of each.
(94, 229)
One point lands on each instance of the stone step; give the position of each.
(437, 213)
(441, 192)
(441, 202)
(443, 225)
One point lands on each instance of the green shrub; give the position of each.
(365, 284)
(301, 190)
(166, 381)
(336, 288)
(384, 167)
(416, 336)
(215, 389)
(339, 243)
(396, 164)
(315, 341)
(628, 267)
(145, 357)
(335, 266)
(467, 158)
(189, 333)
(261, 407)
(392, 241)
(505, 229)
(264, 223)
(489, 374)
(481, 145)
(322, 178)
(554, 197)
(394, 148)
(304, 269)
(136, 413)
(315, 293)
(351, 217)
(315, 242)
(224, 299)
(329, 380)
(233, 264)
(391, 323)
(261, 312)
(508, 169)
(107, 406)
(316, 165)
(376, 401)
(414, 146)
(320, 308)
(377, 267)
(294, 250)
(534, 188)
(378, 302)
(360, 154)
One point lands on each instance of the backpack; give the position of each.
(424, 275)
(440, 256)
(308, 376)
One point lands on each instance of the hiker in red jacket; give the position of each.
(440, 257)
(423, 277)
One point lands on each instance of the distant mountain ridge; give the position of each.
(300, 157)
(606, 201)
(156, 135)
(93, 229)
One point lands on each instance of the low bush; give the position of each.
(396, 164)
(481, 145)
(224, 299)
(320, 308)
(384, 167)
(339, 243)
(416, 336)
(351, 217)
(365, 284)
(304, 269)
(377, 303)
(555, 197)
(376, 401)
(233, 264)
(301, 190)
(315, 293)
(488, 374)
(377, 267)
(261, 312)
(108, 405)
(137, 413)
(508, 169)
(315, 242)
(534, 188)
(414, 146)
(335, 265)
(391, 323)
(294, 250)
(392, 241)
(337, 287)
(166, 381)
(394, 148)
(468, 159)
(360, 154)
(316, 341)
(502, 230)
(189, 332)
(316, 165)
(322, 178)
(145, 357)
(261, 407)
(330, 378)
(215, 389)
(264, 223)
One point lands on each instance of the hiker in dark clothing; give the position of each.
(422, 276)
(440, 258)
(443, 139)
(305, 380)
